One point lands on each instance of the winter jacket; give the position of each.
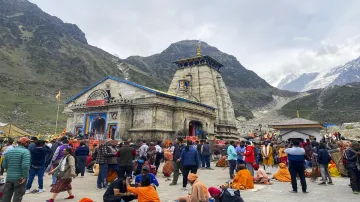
(189, 158)
(205, 150)
(249, 154)
(177, 151)
(230, 195)
(17, 163)
(351, 159)
(38, 155)
(82, 151)
(324, 157)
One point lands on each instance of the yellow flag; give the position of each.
(58, 96)
(38, 136)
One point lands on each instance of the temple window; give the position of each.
(183, 84)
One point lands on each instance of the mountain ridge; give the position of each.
(339, 75)
(40, 55)
(334, 104)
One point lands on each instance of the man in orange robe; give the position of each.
(243, 179)
(283, 174)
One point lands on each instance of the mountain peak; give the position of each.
(339, 75)
(29, 18)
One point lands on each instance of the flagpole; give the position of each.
(57, 117)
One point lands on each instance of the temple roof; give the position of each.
(157, 92)
(198, 60)
(297, 122)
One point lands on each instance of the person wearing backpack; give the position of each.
(324, 159)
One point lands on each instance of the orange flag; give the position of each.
(58, 96)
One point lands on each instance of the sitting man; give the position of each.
(146, 172)
(145, 192)
(243, 179)
(117, 192)
(199, 192)
(283, 174)
(225, 195)
(261, 176)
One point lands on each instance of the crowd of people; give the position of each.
(127, 172)
(293, 158)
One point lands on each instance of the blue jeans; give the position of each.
(103, 172)
(257, 159)
(232, 167)
(40, 173)
(205, 160)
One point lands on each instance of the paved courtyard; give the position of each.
(85, 187)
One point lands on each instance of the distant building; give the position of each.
(298, 128)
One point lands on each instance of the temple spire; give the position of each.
(198, 52)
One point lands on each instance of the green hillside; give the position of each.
(336, 104)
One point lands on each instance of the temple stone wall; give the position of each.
(143, 118)
(125, 121)
(164, 118)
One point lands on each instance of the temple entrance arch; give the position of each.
(196, 129)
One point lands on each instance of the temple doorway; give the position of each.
(98, 125)
(196, 129)
(111, 133)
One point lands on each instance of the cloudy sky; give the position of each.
(272, 38)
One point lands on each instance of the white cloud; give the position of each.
(270, 37)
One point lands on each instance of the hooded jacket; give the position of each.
(249, 154)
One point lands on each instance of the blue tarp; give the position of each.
(329, 125)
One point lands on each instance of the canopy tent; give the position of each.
(11, 130)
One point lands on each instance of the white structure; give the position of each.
(298, 128)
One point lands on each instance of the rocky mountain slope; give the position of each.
(40, 55)
(341, 75)
(335, 104)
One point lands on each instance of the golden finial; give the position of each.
(298, 114)
(198, 52)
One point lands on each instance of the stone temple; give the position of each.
(197, 105)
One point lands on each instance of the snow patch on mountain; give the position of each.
(321, 81)
(340, 75)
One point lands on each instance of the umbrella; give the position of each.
(1, 132)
